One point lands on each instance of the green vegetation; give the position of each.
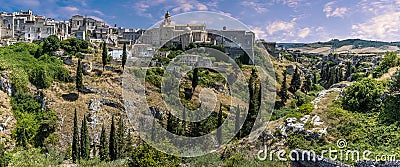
(390, 60)
(75, 141)
(364, 96)
(79, 77)
(103, 150)
(124, 56)
(295, 83)
(51, 44)
(112, 150)
(104, 55)
(25, 67)
(73, 46)
(85, 141)
(146, 155)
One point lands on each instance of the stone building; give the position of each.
(25, 26)
(170, 33)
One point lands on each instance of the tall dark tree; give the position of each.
(183, 127)
(104, 55)
(295, 83)
(112, 144)
(395, 83)
(79, 77)
(75, 140)
(219, 130)
(153, 135)
(120, 138)
(315, 81)
(170, 123)
(307, 84)
(103, 150)
(348, 70)
(195, 79)
(2, 156)
(237, 119)
(85, 141)
(283, 93)
(253, 104)
(124, 56)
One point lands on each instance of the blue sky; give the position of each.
(272, 20)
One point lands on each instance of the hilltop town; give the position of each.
(59, 78)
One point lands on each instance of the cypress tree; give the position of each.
(315, 78)
(183, 132)
(85, 142)
(252, 113)
(152, 129)
(104, 55)
(112, 145)
(120, 138)
(124, 56)
(283, 93)
(295, 84)
(103, 150)
(307, 84)
(79, 77)
(2, 156)
(169, 122)
(219, 130)
(237, 118)
(348, 70)
(75, 140)
(94, 150)
(195, 78)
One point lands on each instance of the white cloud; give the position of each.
(290, 3)
(331, 11)
(277, 26)
(70, 10)
(142, 7)
(382, 27)
(258, 7)
(259, 32)
(382, 23)
(30, 3)
(304, 32)
(98, 12)
(185, 7)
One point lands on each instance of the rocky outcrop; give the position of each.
(87, 68)
(5, 84)
(68, 61)
(294, 125)
(3, 125)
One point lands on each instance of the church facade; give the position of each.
(176, 33)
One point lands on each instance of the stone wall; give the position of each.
(303, 158)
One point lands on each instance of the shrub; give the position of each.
(364, 96)
(390, 60)
(306, 108)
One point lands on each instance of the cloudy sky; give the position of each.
(272, 20)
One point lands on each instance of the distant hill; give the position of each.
(355, 46)
(357, 43)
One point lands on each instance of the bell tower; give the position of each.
(167, 18)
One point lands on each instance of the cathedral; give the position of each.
(170, 33)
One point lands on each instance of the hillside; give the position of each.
(39, 96)
(348, 46)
